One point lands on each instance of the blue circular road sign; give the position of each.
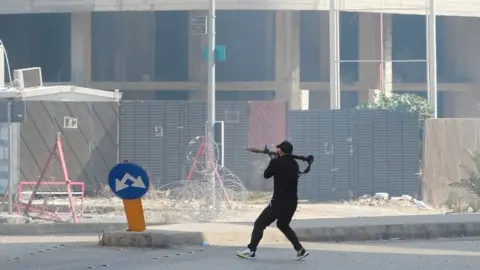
(128, 181)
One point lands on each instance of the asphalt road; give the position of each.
(75, 253)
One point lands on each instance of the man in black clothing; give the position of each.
(285, 171)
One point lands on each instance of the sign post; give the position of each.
(130, 182)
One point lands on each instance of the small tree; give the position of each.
(471, 182)
(401, 103)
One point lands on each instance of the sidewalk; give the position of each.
(313, 230)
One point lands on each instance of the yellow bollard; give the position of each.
(130, 182)
(134, 214)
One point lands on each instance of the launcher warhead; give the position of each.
(273, 154)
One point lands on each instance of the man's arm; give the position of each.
(268, 173)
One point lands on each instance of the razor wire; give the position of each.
(192, 199)
(192, 150)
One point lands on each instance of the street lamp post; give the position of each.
(432, 57)
(334, 41)
(211, 97)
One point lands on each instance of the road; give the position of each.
(80, 252)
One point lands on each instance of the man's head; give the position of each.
(285, 148)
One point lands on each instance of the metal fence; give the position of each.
(162, 135)
(357, 152)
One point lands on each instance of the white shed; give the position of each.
(27, 84)
(10, 133)
(61, 93)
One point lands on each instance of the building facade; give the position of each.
(148, 51)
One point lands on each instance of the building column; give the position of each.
(287, 57)
(387, 54)
(320, 100)
(134, 50)
(81, 48)
(370, 48)
(197, 66)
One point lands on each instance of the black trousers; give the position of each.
(283, 214)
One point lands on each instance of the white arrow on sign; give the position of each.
(122, 184)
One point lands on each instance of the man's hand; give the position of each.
(273, 156)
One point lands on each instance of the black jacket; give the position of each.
(285, 178)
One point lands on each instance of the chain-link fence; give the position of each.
(357, 152)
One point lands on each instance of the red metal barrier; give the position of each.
(56, 152)
(267, 123)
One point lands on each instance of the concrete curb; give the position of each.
(165, 239)
(239, 235)
(388, 232)
(61, 228)
(170, 238)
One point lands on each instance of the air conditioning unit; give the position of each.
(28, 77)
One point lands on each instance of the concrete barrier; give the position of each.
(164, 239)
(58, 228)
(62, 228)
(387, 232)
(200, 234)
(310, 231)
